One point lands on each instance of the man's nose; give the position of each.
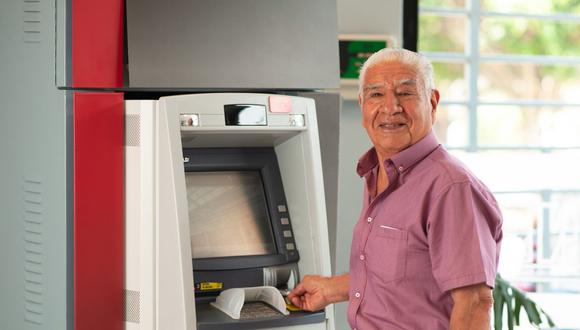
(390, 104)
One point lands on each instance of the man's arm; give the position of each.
(315, 292)
(471, 307)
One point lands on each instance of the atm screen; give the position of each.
(228, 214)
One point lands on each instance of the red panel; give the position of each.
(98, 211)
(97, 43)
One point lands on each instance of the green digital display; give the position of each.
(353, 54)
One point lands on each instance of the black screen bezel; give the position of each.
(265, 161)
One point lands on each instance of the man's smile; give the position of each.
(387, 126)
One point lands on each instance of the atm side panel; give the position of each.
(95, 59)
(98, 210)
(140, 217)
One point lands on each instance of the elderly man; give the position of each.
(425, 249)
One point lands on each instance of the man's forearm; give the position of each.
(474, 317)
(471, 308)
(340, 285)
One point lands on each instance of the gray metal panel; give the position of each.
(353, 143)
(63, 53)
(289, 44)
(33, 173)
(328, 115)
(386, 17)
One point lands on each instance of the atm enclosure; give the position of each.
(187, 166)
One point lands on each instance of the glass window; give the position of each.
(452, 125)
(506, 125)
(524, 170)
(450, 80)
(529, 81)
(536, 246)
(519, 246)
(443, 3)
(534, 36)
(510, 110)
(564, 233)
(531, 7)
(442, 33)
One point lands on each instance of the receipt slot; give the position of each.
(224, 194)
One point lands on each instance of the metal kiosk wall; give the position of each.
(68, 67)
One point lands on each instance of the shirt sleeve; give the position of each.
(464, 233)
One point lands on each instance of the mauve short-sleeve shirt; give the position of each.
(435, 228)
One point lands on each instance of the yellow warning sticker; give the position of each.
(210, 286)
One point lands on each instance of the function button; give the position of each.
(287, 233)
(282, 208)
(290, 246)
(285, 221)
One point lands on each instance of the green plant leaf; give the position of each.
(550, 321)
(505, 290)
(514, 299)
(517, 309)
(497, 308)
(532, 311)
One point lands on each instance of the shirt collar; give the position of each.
(403, 159)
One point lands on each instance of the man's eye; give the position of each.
(405, 93)
(376, 94)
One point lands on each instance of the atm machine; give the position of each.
(228, 185)
(115, 114)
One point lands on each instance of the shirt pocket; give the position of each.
(386, 253)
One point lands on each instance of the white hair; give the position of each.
(416, 60)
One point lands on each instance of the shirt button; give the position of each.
(357, 294)
(362, 257)
(401, 168)
(369, 219)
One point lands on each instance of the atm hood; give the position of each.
(232, 44)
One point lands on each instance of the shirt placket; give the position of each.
(369, 216)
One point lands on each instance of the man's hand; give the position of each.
(471, 307)
(315, 292)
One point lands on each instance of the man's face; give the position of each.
(396, 112)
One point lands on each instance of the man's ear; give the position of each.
(434, 103)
